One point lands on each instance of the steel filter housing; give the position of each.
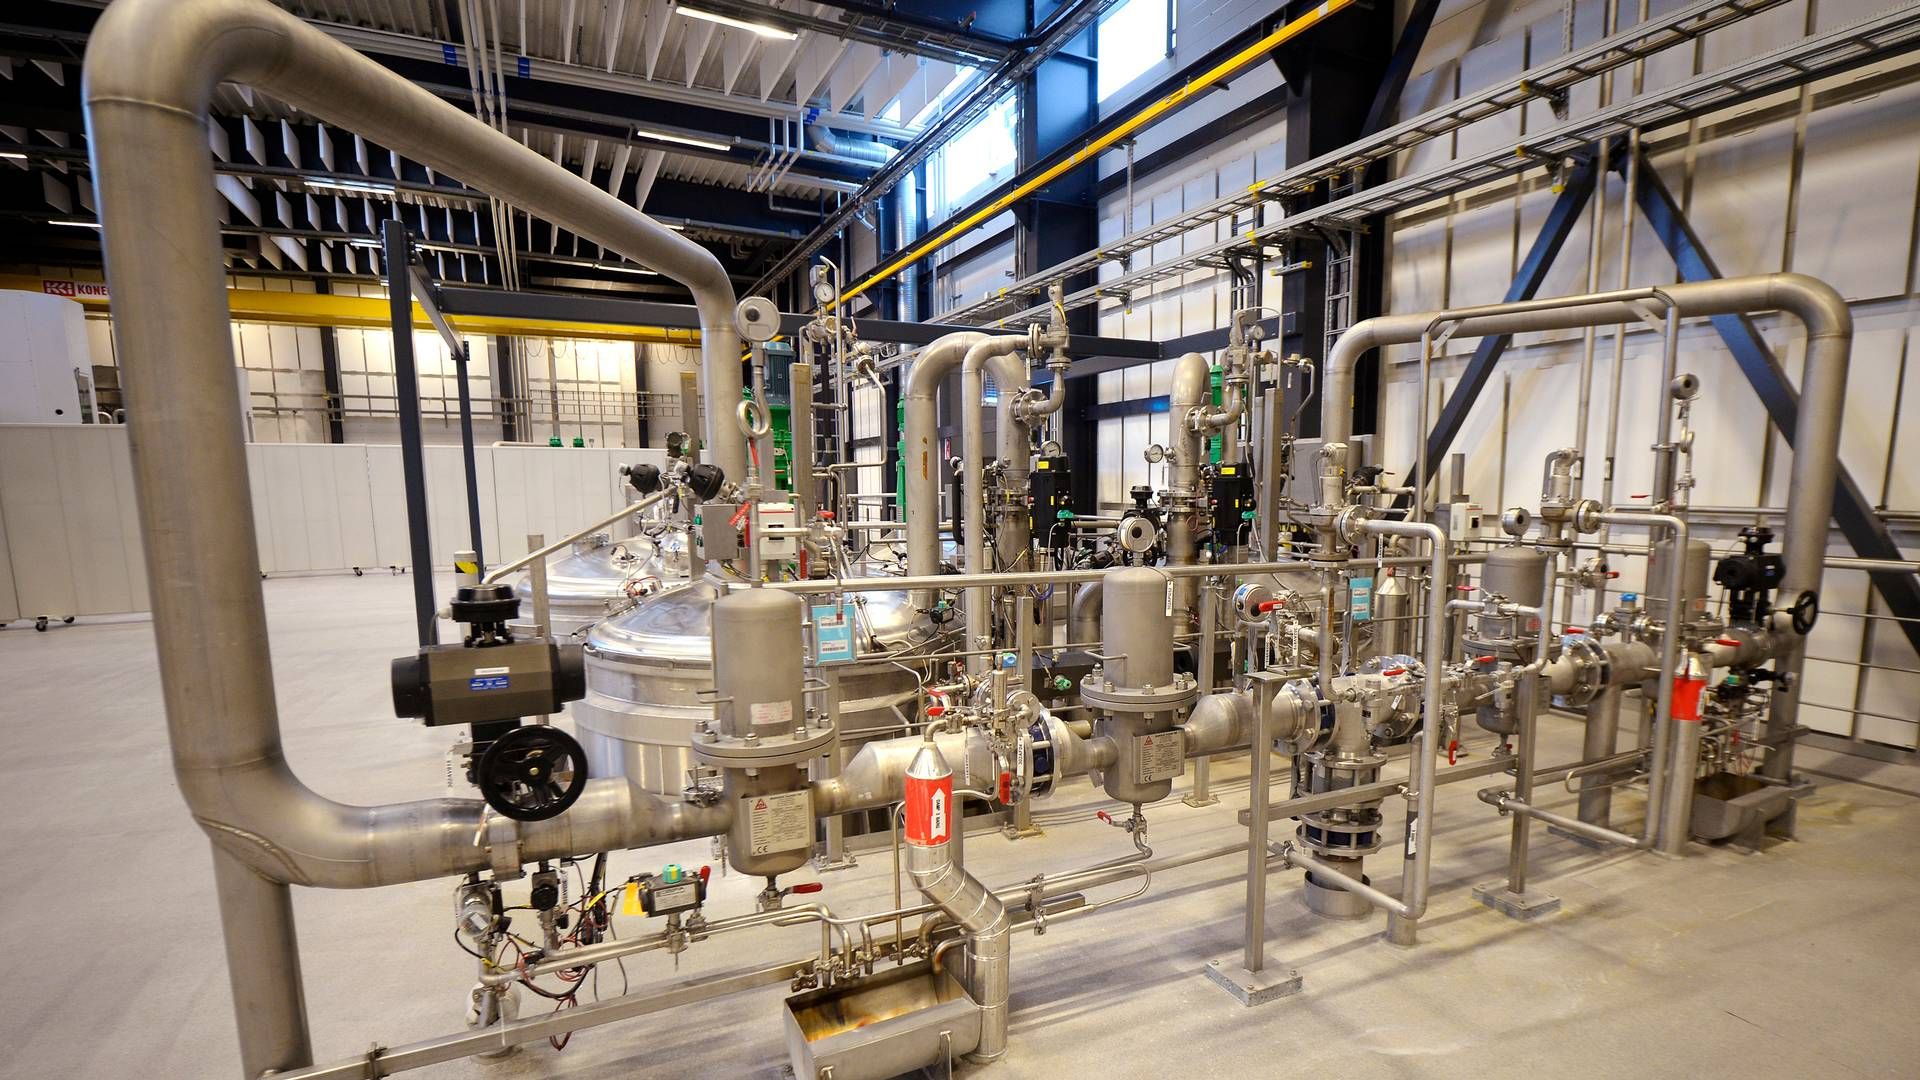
(647, 666)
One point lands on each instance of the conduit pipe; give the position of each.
(1403, 919)
(922, 506)
(150, 72)
(1188, 402)
(1815, 439)
(1011, 376)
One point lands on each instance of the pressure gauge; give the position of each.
(1156, 454)
(823, 290)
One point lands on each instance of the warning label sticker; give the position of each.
(771, 712)
(778, 822)
(1158, 757)
(928, 811)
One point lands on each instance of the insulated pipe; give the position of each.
(1659, 780)
(827, 141)
(962, 897)
(1816, 436)
(922, 507)
(151, 69)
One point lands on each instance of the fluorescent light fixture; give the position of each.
(351, 187)
(13, 155)
(684, 140)
(375, 244)
(765, 30)
(626, 269)
(77, 224)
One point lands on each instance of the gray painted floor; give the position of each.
(1803, 961)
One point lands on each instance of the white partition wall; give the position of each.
(70, 537)
(71, 533)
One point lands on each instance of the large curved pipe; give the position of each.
(151, 67)
(150, 72)
(1815, 438)
(1010, 374)
(922, 497)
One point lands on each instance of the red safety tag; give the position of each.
(929, 811)
(1689, 696)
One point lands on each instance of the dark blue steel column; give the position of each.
(398, 248)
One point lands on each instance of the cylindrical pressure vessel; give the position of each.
(1654, 593)
(756, 662)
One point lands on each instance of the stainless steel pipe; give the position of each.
(150, 72)
(1815, 439)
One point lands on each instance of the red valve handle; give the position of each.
(1611, 574)
(705, 873)
(1464, 588)
(1573, 629)
(805, 887)
(1484, 659)
(1728, 642)
(1453, 749)
(1636, 496)
(1391, 672)
(1006, 787)
(1104, 816)
(936, 710)
(1265, 606)
(826, 515)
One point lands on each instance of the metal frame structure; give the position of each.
(1890, 33)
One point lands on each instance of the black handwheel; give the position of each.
(1805, 612)
(532, 773)
(68, 620)
(40, 624)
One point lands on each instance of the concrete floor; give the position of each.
(1802, 961)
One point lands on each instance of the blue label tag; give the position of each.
(525, 67)
(833, 633)
(1360, 590)
(448, 54)
(487, 682)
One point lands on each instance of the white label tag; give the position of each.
(1169, 596)
(492, 671)
(771, 712)
(781, 822)
(937, 824)
(673, 896)
(1158, 757)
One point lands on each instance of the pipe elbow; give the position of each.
(1818, 305)
(169, 55)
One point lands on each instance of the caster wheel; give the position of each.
(357, 572)
(68, 620)
(40, 624)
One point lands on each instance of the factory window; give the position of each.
(1132, 37)
(867, 439)
(974, 160)
(1131, 414)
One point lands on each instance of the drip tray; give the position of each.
(879, 1027)
(1726, 805)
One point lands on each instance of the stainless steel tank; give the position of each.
(646, 665)
(1654, 593)
(593, 578)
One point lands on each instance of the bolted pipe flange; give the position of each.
(1586, 515)
(1351, 523)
